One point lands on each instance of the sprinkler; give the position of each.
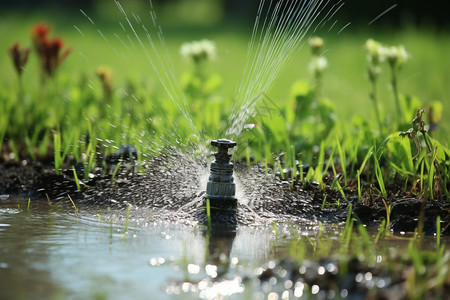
(221, 188)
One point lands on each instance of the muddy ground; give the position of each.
(176, 184)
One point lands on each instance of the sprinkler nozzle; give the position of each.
(223, 145)
(221, 183)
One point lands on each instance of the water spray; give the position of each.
(220, 189)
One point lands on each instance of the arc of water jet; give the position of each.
(345, 26)
(90, 20)
(280, 37)
(168, 81)
(382, 14)
(78, 29)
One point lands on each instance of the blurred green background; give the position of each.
(422, 29)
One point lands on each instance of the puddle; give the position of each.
(49, 251)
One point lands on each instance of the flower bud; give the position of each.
(316, 44)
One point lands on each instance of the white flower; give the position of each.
(376, 52)
(318, 64)
(199, 50)
(397, 56)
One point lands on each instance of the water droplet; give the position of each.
(157, 261)
(321, 270)
(344, 293)
(273, 280)
(288, 284)
(332, 268)
(298, 292)
(370, 284)
(202, 284)
(282, 273)
(211, 270)
(193, 269)
(315, 289)
(186, 286)
(271, 264)
(381, 283)
(272, 296)
(302, 270)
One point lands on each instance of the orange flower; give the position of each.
(19, 56)
(49, 49)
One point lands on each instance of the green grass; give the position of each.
(73, 204)
(126, 223)
(73, 115)
(208, 214)
(419, 267)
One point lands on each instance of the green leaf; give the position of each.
(401, 157)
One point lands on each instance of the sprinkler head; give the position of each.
(221, 183)
(223, 144)
(222, 156)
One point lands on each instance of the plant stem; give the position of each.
(374, 98)
(73, 203)
(438, 231)
(394, 84)
(208, 213)
(77, 182)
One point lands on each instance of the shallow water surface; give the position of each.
(50, 251)
(54, 251)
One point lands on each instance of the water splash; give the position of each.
(150, 40)
(160, 62)
(278, 34)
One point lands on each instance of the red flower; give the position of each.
(49, 49)
(19, 56)
(40, 31)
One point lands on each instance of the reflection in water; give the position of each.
(219, 244)
(219, 240)
(218, 281)
(217, 277)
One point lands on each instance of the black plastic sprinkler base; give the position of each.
(219, 207)
(220, 189)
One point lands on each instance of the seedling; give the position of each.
(379, 176)
(126, 223)
(208, 214)
(430, 160)
(115, 170)
(438, 231)
(58, 158)
(73, 203)
(75, 176)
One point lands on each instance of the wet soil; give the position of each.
(172, 187)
